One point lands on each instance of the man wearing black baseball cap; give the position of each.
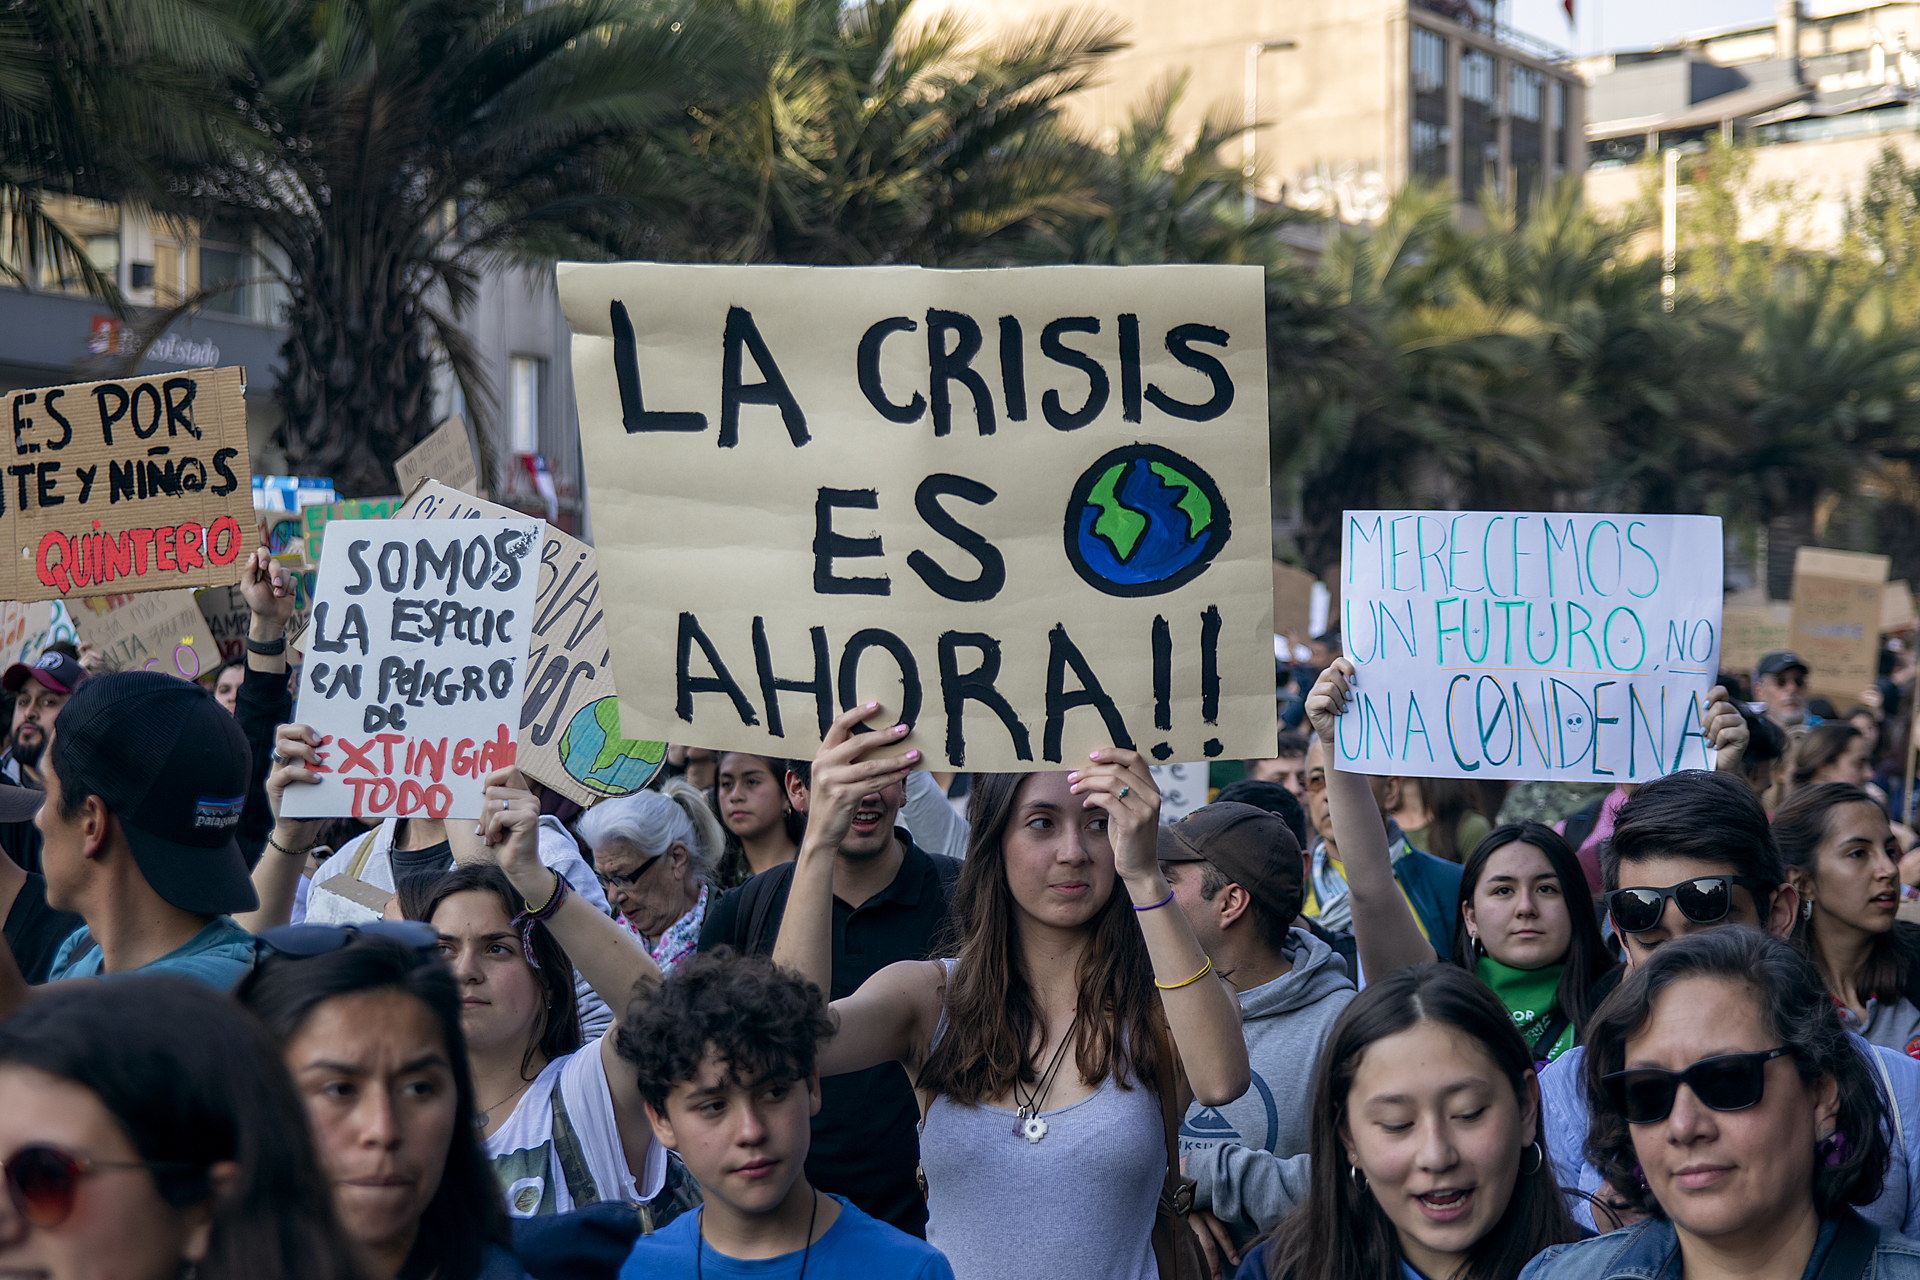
(1237, 875)
(1780, 682)
(145, 782)
(38, 692)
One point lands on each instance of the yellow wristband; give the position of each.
(1205, 969)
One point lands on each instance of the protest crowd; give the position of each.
(384, 948)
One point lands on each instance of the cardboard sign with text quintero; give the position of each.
(161, 631)
(137, 484)
(415, 660)
(1528, 646)
(1024, 510)
(570, 722)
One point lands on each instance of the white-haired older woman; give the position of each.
(655, 853)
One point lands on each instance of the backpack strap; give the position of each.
(756, 904)
(1851, 1255)
(1557, 1023)
(358, 862)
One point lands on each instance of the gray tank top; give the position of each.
(1077, 1205)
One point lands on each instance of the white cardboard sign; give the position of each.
(416, 657)
(1524, 645)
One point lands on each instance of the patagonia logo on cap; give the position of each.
(218, 812)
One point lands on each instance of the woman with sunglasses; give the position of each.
(1527, 930)
(1426, 1159)
(654, 852)
(394, 851)
(148, 1132)
(1730, 1107)
(562, 1122)
(368, 1024)
(1842, 856)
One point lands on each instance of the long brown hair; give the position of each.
(991, 1018)
(1799, 828)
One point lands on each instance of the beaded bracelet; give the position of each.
(1205, 969)
(291, 853)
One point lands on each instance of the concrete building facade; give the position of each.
(1816, 97)
(1356, 96)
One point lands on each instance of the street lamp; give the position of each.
(1254, 50)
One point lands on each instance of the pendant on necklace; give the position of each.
(1020, 1122)
(1034, 1129)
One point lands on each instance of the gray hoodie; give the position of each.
(1285, 1023)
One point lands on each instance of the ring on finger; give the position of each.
(1124, 791)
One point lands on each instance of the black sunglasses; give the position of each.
(1703, 900)
(302, 941)
(609, 879)
(43, 1181)
(1730, 1082)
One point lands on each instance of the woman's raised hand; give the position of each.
(299, 756)
(510, 821)
(1119, 782)
(1328, 698)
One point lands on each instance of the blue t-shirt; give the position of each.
(219, 955)
(855, 1247)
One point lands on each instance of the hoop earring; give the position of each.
(1539, 1159)
(1479, 947)
(1358, 1179)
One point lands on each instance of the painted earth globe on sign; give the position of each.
(593, 751)
(1143, 520)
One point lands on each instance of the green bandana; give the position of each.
(1529, 997)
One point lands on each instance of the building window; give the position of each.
(1429, 74)
(527, 373)
(224, 266)
(1479, 125)
(1526, 100)
(1562, 128)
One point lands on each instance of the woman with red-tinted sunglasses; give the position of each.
(149, 1132)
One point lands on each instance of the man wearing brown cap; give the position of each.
(1236, 872)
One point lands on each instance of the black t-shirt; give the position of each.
(866, 1141)
(35, 930)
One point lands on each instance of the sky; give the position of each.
(1629, 24)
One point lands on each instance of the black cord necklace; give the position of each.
(1028, 1122)
(699, 1240)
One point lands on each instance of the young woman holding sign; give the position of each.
(1077, 1020)
(1385, 933)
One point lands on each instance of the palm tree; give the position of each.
(1833, 384)
(95, 96)
(408, 144)
(1157, 197)
(867, 137)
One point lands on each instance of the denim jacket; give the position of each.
(1649, 1251)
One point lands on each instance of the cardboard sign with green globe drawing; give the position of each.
(1026, 510)
(570, 736)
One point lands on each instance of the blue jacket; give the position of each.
(1563, 1105)
(1432, 886)
(1649, 1251)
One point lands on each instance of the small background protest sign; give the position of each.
(446, 456)
(1836, 619)
(415, 657)
(1528, 646)
(135, 484)
(570, 736)
(161, 631)
(315, 519)
(1025, 510)
(27, 629)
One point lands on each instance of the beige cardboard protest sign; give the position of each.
(136, 484)
(446, 456)
(570, 722)
(154, 631)
(1292, 603)
(1836, 619)
(1025, 510)
(228, 619)
(1897, 610)
(1750, 632)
